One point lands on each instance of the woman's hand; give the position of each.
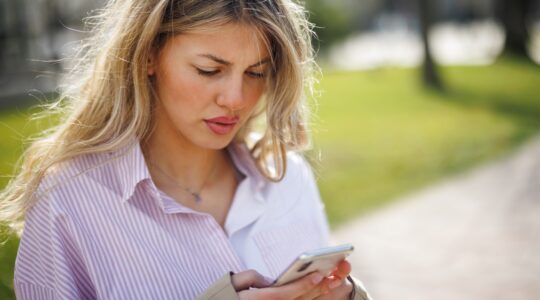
(307, 287)
(311, 286)
(338, 287)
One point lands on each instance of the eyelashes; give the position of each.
(210, 73)
(207, 73)
(256, 75)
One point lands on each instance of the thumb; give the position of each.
(250, 278)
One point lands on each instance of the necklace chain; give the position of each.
(195, 195)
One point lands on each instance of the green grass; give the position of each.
(14, 128)
(380, 135)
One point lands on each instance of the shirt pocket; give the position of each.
(280, 246)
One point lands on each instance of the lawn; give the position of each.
(379, 135)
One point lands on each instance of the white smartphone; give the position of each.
(323, 260)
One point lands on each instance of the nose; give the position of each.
(232, 94)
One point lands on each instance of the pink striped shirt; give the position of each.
(102, 230)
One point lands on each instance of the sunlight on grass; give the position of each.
(380, 135)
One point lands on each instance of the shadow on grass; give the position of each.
(520, 109)
(520, 103)
(515, 97)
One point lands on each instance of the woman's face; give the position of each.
(208, 83)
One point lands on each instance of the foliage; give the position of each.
(332, 22)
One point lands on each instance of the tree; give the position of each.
(430, 73)
(513, 16)
(333, 22)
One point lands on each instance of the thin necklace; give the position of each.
(196, 195)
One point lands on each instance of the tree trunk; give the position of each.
(430, 73)
(513, 16)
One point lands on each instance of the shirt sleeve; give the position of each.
(48, 265)
(222, 289)
(359, 291)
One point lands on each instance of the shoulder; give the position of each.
(297, 193)
(299, 173)
(297, 170)
(80, 179)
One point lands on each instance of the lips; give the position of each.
(221, 125)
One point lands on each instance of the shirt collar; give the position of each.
(243, 160)
(130, 166)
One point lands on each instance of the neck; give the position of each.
(190, 165)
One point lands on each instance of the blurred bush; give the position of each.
(333, 22)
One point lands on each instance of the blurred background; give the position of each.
(425, 134)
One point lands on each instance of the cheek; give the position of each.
(254, 93)
(181, 89)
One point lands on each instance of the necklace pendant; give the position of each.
(197, 197)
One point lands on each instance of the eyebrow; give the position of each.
(227, 63)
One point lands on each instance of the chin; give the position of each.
(216, 143)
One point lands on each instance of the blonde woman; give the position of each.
(155, 185)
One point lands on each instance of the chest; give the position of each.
(174, 256)
(185, 254)
(146, 248)
(215, 200)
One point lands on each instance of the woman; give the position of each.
(156, 186)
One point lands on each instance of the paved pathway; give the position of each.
(473, 237)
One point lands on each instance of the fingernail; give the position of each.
(335, 284)
(316, 278)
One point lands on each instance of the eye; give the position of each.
(207, 73)
(256, 74)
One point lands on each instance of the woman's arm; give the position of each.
(250, 285)
(359, 291)
(221, 289)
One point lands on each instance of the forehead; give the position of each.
(235, 42)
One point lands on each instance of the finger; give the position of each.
(343, 269)
(319, 290)
(299, 287)
(328, 285)
(343, 291)
(335, 283)
(250, 278)
(315, 292)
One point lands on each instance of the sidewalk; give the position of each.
(473, 237)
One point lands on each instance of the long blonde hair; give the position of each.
(108, 99)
